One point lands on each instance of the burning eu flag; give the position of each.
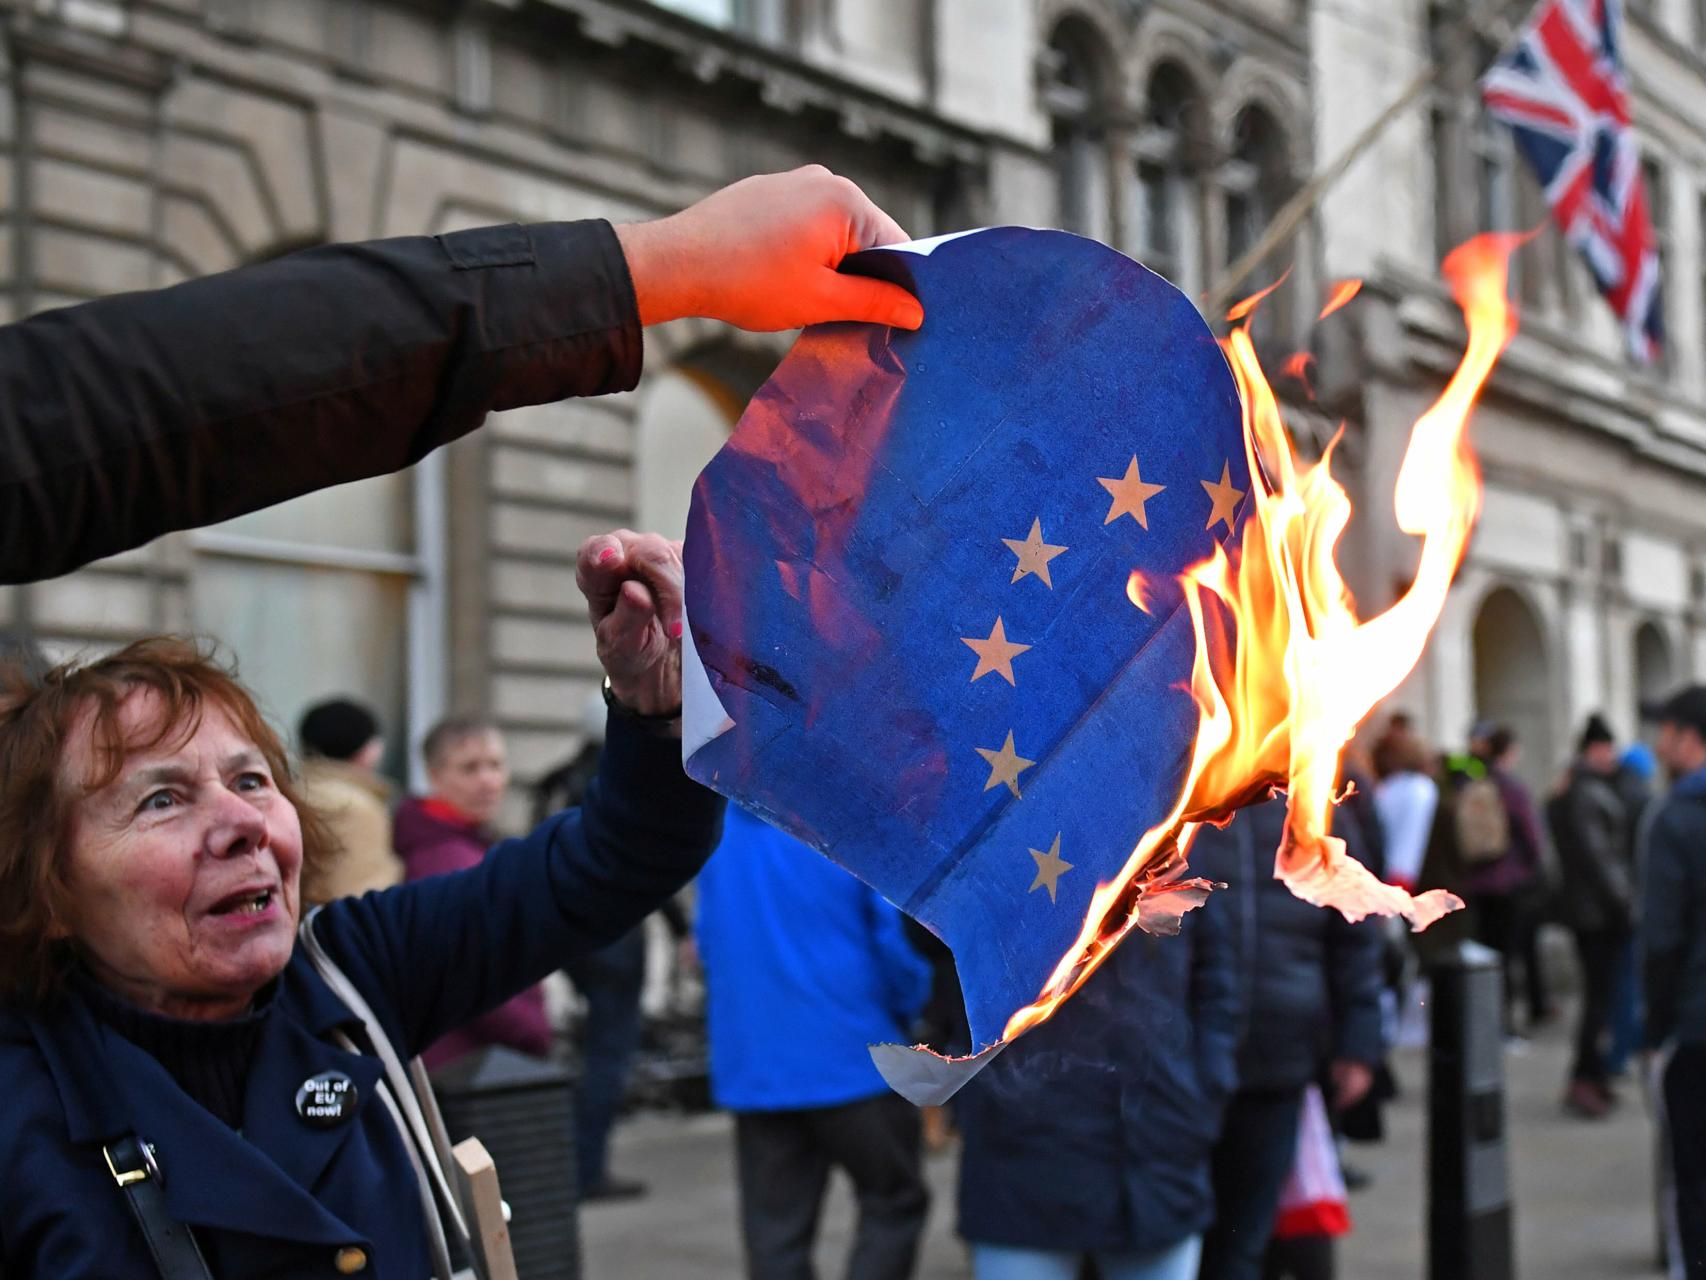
(935, 626)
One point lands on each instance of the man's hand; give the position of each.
(1351, 1083)
(633, 581)
(762, 254)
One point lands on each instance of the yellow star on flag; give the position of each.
(995, 654)
(1005, 765)
(1050, 868)
(1129, 493)
(1225, 497)
(1034, 554)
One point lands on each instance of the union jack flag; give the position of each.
(1562, 88)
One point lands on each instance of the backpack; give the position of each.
(1482, 823)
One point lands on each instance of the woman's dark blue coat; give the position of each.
(281, 1198)
(1092, 1132)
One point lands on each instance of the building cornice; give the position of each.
(1546, 373)
(784, 82)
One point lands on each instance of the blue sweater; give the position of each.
(806, 967)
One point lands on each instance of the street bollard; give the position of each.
(1469, 1208)
(522, 1110)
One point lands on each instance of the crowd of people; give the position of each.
(1616, 858)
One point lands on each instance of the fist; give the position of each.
(762, 254)
(633, 583)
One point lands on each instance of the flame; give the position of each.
(1297, 365)
(1240, 310)
(1342, 293)
(1284, 669)
(1137, 589)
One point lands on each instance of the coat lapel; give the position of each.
(286, 1057)
(257, 1182)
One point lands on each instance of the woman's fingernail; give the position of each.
(607, 555)
(675, 629)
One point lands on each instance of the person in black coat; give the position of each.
(1673, 949)
(1089, 1136)
(1311, 984)
(1593, 833)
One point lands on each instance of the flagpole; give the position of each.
(1303, 201)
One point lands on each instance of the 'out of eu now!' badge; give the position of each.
(327, 1099)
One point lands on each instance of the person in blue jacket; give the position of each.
(1311, 999)
(1089, 1136)
(181, 1097)
(805, 968)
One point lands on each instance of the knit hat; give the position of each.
(1596, 731)
(336, 729)
(1686, 708)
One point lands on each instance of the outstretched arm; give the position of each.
(129, 417)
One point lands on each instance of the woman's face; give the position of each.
(184, 870)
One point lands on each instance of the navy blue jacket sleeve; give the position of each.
(128, 417)
(1667, 907)
(434, 953)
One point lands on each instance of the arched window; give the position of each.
(1256, 181)
(1166, 213)
(1513, 677)
(1655, 669)
(1257, 178)
(1076, 94)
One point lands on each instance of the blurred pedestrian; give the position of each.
(1492, 832)
(1088, 1138)
(1673, 943)
(1591, 830)
(1312, 985)
(805, 968)
(449, 829)
(341, 749)
(1637, 770)
(1405, 801)
(609, 981)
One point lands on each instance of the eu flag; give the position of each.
(917, 640)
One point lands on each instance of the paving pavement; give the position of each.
(1582, 1190)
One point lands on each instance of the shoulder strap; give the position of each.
(407, 1094)
(172, 1245)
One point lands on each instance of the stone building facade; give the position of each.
(151, 140)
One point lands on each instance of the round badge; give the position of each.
(327, 1099)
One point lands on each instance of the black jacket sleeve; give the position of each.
(128, 417)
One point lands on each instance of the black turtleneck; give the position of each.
(209, 1060)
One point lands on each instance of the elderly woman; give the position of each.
(151, 855)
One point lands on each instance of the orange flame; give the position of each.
(1284, 670)
(1342, 293)
(1297, 365)
(1137, 589)
(1242, 309)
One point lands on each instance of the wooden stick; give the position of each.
(477, 1184)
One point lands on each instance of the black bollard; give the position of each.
(1469, 1207)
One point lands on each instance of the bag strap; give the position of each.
(171, 1243)
(409, 1097)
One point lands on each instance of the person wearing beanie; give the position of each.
(341, 747)
(1591, 827)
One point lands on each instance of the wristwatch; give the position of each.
(664, 722)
